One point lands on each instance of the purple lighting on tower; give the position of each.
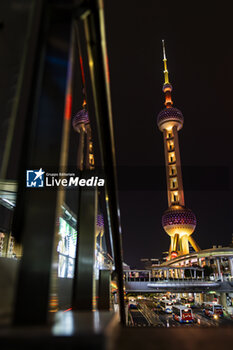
(182, 216)
(170, 114)
(80, 118)
(100, 220)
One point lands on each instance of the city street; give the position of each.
(150, 314)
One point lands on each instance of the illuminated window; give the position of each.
(174, 197)
(172, 158)
(174, 183)
(170, 145)
(172, 170)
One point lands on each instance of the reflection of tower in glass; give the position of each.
(81, 124)
(178, 222)
(100, 229)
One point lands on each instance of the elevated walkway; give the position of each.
(177, 286)
(212, 253)
(165, 279)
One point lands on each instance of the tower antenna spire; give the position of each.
(166, 79)
(164, 52)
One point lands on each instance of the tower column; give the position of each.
(167, 166)
(176, 242)
(178, 167)
(184, 244)
(171, 245)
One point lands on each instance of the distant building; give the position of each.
(149, 263)
(125, 266)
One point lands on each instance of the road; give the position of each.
(156, 318)
(139, 320)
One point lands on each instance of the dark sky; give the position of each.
(199, 48)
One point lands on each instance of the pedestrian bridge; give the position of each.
(174, 286)
(143, 282)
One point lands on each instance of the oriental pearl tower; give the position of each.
(81, 124)
(178, 221)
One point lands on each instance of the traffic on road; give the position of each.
(174, 310)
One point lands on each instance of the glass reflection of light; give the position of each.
(96, 321)
(66, 248)
(64, 324)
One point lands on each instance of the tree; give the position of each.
(208, 270)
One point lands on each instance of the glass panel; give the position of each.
(12, 66)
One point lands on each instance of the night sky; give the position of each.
(199, 50)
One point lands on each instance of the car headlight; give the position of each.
(215, 317)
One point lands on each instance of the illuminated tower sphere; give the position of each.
(100, 221)
(80, 120)
(178, 221)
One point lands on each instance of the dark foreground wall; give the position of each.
(8, 276)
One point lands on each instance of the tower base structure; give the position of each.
(179, 223)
